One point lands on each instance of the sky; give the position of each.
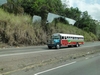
(92, 6)
(2, 1)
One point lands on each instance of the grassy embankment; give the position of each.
(18, 30)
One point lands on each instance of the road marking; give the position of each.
(55, 68)
(4, 55)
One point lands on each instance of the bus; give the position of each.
(59, 40)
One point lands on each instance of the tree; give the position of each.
(13, 6)
(73, 13)
(86, 23)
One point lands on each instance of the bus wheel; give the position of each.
(49, 47)
(57, 46)
(77, 45)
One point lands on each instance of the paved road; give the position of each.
(16, 57)
(88, 66)
(36, 49)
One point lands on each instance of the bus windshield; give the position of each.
(55, 37)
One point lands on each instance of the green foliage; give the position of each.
(83, 20)
(18, 30)
(68, 29)
(13, 6)
(42, 7)
(86, 23)
(35, 7)
(62, 20)
(73, 13)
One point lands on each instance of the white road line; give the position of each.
(55, 68)
(4, 55)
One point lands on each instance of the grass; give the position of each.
(62, 28)
(1, 69)
(17, 30)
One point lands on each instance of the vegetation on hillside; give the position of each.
(16, 26)
(18, 30)
(43, 7)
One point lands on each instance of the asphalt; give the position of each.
(88, 66)
(25, 55)
(36, 48)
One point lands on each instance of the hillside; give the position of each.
(18, 30)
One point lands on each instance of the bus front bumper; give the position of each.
(51, 45)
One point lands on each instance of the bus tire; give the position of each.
(49, 47)
(77, 45)
(57, 46)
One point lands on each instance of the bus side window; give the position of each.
(65, 37)
(62, 37)
(68, 37)
(71, 37)
(76, 37)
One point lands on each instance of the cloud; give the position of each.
(92, 6)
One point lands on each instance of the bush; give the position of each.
(16, 30)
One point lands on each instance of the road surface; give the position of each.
(88, 66)
(25, 50)
(16, 61)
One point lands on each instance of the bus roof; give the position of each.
(71, 35)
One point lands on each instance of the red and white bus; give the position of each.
(64, 40)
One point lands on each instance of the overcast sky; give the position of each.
(92, 6)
